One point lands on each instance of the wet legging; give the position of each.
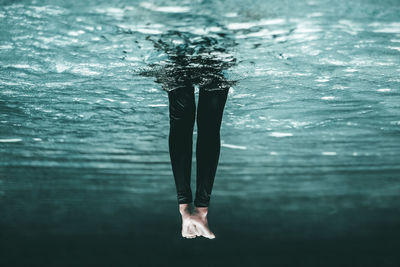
(182, 109)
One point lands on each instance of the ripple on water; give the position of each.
(328, 97)
(280, 134)
(165, 9)
(233, 146)
(11, 140)
(382, 27)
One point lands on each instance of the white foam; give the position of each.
(327, 97)
(297, 124)
(89, 28)
(166, 9)
(384, 90)
(272, 21)
(157, 105)
(148, 31)
(301, 74)
(339, 87)
(114, 10)
(84, 71)
(393, 27)
(241, 26)
(350, 70)
(278, 134)
(248, 25)
(7, 46)
(394, 47)
(234, 146)
(307, 27)
(12, 140)
(21, 66)
(335, 62)
(111, 11)
(322, 80)
(177, 42)
(76, 33)
(329, 153)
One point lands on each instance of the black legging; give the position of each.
(182, 109)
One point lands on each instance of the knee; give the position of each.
(208, 127)
(209, 120)
(182, 112)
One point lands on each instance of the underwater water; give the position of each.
(309, 170)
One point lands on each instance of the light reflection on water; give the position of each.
(315, 111)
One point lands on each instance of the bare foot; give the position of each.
(199, 220)
(188, 229)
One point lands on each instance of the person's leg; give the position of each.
(182, 110)
(209, 117)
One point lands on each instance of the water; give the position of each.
(309, 166)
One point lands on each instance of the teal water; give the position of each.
(310, 140)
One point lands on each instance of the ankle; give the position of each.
(201, 211)
(184, 209)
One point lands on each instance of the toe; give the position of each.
(192, 230)
(211, 235)
(196, 231)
